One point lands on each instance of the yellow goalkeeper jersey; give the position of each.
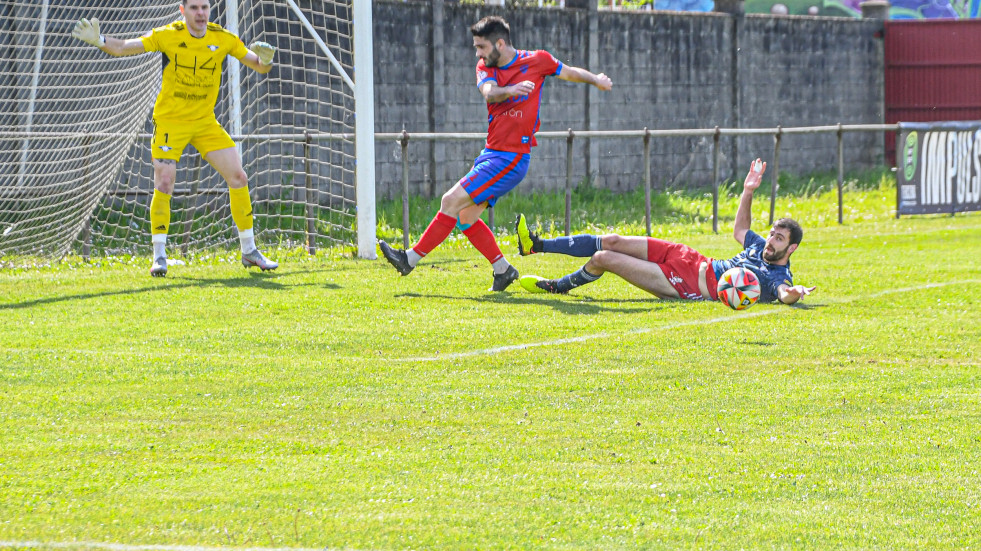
(191, 69)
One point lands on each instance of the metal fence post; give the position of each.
(647, 178)
(87, 229)
(841, 171)
(315, 202)
(568, 183)
(191, 197)
(405, 189)
(899, 147)
(776, 172)
(311, 211)
(86, 237)
(715, 180)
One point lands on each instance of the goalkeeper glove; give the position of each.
(264, 51)
(88, 32)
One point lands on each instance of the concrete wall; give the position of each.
(670, 70)
(803, 71)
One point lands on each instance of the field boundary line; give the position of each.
(581, 338)
(566, 340)
(108, 546)
(594, 336)
(921, 287)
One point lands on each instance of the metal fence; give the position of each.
(646, 135)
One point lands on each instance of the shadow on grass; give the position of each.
(587, 306)
(802, 306)
(758, 343)
(256, 280)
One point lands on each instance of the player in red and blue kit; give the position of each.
(511, 82)
(675, 270)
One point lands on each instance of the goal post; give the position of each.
(364, 106)
(75, 168)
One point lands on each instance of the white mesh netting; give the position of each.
(75, 170)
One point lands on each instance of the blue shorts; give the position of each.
(495, 173)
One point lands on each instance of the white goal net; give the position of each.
(75, 169)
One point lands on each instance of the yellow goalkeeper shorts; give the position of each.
(170, 137)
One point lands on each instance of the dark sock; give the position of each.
(575, 279)
(577, 245)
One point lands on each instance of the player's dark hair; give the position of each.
(791, 225)
(492, 28)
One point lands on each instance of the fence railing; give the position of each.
(646, 135)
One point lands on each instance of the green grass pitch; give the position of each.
(334, 404)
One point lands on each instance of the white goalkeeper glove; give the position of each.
(88, 32)
(264, 51)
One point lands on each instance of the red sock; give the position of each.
(483, 239)
(439, 229)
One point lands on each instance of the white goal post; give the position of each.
(364, 108)
(75, 172)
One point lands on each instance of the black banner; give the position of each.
(938, 167)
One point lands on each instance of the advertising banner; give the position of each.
(938, 167)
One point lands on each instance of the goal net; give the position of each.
(75, 170)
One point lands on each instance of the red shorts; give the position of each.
(680, 265)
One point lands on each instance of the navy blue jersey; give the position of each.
(771, 276)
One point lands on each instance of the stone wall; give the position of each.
(670, 70)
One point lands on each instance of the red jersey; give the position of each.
(511, 124)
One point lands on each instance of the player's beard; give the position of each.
(492, 58)
(775, 256)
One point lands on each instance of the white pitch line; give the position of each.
(568, 340)
(919, 288)
(594, 336)
(126, 547)
(485, 351)
(581, 338)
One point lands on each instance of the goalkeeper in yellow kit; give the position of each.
(193, 52)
